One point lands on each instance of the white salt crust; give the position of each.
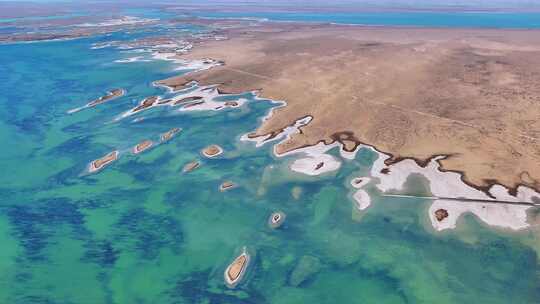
(449, 184)
(207, 101)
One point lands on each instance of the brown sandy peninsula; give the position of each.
(471, 94)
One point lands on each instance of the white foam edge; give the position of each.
(194, 65)
(208, 94)
(132, 59)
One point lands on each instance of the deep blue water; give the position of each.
(422, 19)
(42, 18)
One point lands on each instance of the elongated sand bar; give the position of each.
(315, 164)
(236, 270)
(146, 103)
(140, 147)
(360, 182)
(112, 94)
(100, 163)
(191, 166)
(169, 134)
(227, 185)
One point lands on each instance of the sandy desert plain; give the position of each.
(472, 95)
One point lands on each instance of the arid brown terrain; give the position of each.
(471, 94)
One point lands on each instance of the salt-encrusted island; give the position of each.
(472, 95)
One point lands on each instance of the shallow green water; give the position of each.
(140, 231)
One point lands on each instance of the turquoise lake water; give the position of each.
(141, 231)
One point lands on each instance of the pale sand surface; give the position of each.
(449, 184)
(206, 100)
(310, 165)
(195, 65)
(113, 94)
(283, 134)
(191, 166)
(143, 146)
(360, 182)
(164, 137)
(227, 185)
(471, 94)
(313, 160)
(102, 162)
(362, 199)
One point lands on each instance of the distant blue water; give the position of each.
(40, 18)
(421, 19)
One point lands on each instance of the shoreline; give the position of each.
(337, 139)
(313, 159)
(246, 70)
(192, 98)
(313, 153)
(508, 216)
(512, 217)
(345, 152)
(445, 183)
